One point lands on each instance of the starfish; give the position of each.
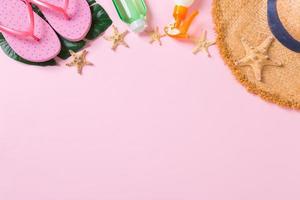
(117, 38)
(202, 44)
(156, 36)
(257, 57)
(79, 60)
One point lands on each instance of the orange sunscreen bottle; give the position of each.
(182, 22)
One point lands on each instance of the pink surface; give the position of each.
(75, 28)
(14, 15)
(145, 123)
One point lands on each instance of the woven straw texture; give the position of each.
(248, 19)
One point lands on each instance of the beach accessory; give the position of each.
(27, 33)
(117, 38)
(70, 18)
(278, 29)
(79, 60)
(180, 27)
(132, 12)
(100, 22)
(156, 36)
(202, 44)
(259, 40)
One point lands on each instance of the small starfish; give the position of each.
(117, 38)
(257, 57)
(156, 36)
(202, 44)
(79, 60)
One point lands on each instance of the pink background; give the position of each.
(145, 123)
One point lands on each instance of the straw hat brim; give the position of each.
(272, 96)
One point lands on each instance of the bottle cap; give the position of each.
(138, 25)
(186, 3)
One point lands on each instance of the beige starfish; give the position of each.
(155, 35)
(257, 57)
(79, 60)
(202, 44)
(117, 38)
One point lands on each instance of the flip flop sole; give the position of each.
(77, 27)
(14, 14)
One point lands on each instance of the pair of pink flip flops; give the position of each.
(33, 38)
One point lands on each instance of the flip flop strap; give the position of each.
(29, 32)
(44, 4)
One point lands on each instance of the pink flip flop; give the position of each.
(27, 34)
(70, 18)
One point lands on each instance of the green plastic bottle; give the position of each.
(132, 12)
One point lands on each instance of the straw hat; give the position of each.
(260, 41)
